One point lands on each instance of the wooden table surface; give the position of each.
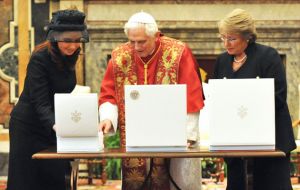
(190, 153)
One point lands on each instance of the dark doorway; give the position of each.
(206, 65)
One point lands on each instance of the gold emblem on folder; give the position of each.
(242, 112)
(76, 116)
(134, 94)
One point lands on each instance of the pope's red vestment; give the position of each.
(172, 62)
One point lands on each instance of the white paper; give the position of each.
(80, 144)
(76, 119)
(156, 117)
(242, 114)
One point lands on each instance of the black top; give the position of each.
(36, 103)
(264, 62)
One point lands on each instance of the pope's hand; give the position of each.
(105, 126)
(191, 143)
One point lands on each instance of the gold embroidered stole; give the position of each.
(124, 73)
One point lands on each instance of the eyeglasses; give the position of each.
(70, 40)
(228, 39)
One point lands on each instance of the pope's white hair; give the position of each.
(142, 20)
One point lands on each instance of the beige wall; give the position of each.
(194, 22)
(191, 12)
(278, 26)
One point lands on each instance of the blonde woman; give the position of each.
(244, 58)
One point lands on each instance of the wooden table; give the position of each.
(121, 153)
(190, 153)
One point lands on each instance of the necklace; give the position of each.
(146, 64)
(241, 60)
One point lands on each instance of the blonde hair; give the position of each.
(241, 22)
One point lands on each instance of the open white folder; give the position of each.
(76, 118)
(155, 117)
(242, 114)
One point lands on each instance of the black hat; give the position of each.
(67, 26)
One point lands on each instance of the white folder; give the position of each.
(76, 118)
(155, 117)
(242, 114)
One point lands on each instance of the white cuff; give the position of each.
(192, 126)
(109, 111)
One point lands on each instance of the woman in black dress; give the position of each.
(51, 70)
(244, 58)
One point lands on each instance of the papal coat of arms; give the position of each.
(134, 94)
(242, 112)
(76, 116)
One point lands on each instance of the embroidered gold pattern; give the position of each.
(134, 179)
(123, 64)
(133, 162)
(169, 61)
